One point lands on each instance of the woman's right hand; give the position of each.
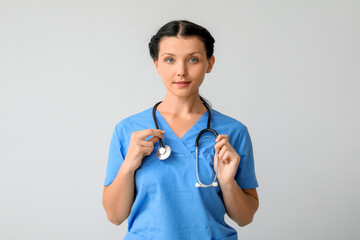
(139, 147)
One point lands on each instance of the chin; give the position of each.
(182, 92)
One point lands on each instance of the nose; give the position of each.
(181, 69)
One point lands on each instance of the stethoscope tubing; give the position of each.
(166, 150)
(156, 124)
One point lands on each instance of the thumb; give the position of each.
(154, 139)
(215, 162)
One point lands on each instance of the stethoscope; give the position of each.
(164, 151)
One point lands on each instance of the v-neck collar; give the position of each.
(188, 139)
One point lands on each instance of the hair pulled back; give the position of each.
(183, 28)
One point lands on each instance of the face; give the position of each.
(182, 60)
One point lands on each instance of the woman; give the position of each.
(159, 197)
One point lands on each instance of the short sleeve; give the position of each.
(245, 175)
(115, 157)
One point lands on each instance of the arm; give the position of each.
(240, 204)
(118, 197)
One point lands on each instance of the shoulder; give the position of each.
(136, 122)
(226, 124)
(237, 131)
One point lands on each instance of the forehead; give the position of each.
(181, 45)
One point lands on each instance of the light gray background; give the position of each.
(71, 70)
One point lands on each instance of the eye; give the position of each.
(169, 60)
(193, 60)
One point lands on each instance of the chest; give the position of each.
(181, 125)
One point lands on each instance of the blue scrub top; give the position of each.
(167, 204)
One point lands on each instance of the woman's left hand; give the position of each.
(229, 159)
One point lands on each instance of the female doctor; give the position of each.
(162, 198)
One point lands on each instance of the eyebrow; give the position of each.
(174, 55)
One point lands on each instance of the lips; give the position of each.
(181, 82)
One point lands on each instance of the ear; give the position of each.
(156, 65)
(211, 62)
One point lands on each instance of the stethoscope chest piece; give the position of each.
(163, 152)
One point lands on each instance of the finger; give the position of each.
(154, 139)
(143, 134)
(221, 136)
(222, 152)
(147, 150)
(215, 161)
(226, 157)
(148, 143)
(219, 145)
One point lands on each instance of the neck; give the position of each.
(179, 106)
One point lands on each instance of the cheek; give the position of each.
(199, 71)
(167, 77)
(166, 72)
